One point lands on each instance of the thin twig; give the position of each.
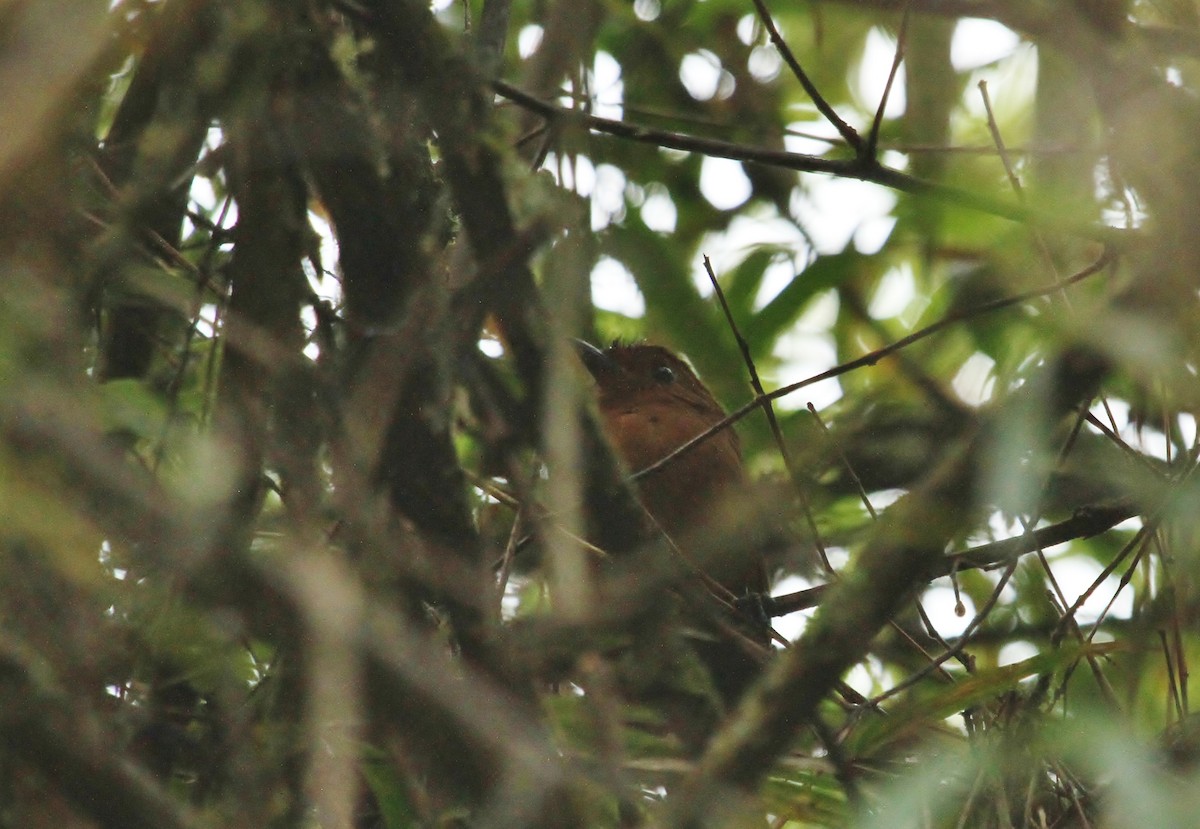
(1139, 538)
(1181, 662)
(959, 646)
(847, 132)
(998, 140)
(748, 359)
(1172, 685)
(1106, 689)
(769, 411)
(1126, 578)
(202, 284)
(843, 765)
(858, 484)
(506, 561)
(930, 630)
(1039, 238)
(897, 59)
(976, 786)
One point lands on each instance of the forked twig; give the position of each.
(848, 133)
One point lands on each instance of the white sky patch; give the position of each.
(1011, 84)
(614, 289)
(793, 624)
(658, 211)
(763, 226)
(764, 63)
(703, 76)
(833, 210)
(608, 88)
(325, 286)
(312, 350)
(804, 145)
(203, 195)
(939, 602)
(977, 43)
(1119, 409)
(894, 159)
(1015, 652)
(865, 677)
(608, 197)
(647, 10)
(579, 176)
(747, 28)
(790, 626)
(724, 183)
(528, 40)
(491, 347)
(201, 191)
(1076, 573)
(1187, 427)
(975, 382)
(807, 349)
(777, 276)
(1149, 440)
(873, 233)
(206, 320)
(896, 290)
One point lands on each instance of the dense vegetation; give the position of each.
(295, 454)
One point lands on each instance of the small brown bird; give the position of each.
(651, 403)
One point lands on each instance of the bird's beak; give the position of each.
(596, 361)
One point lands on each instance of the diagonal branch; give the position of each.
(860, 168)
(847, 132)
(1086, 522)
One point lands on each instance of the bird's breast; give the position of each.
(681, 493)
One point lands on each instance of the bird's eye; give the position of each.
(664, 374)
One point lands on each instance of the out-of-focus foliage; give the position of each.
(288, 532)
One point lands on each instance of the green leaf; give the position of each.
(391, 795)
(741, 284)
(782, 311)
(129, 406)
(924, 711)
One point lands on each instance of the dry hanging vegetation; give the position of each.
(305, 514)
